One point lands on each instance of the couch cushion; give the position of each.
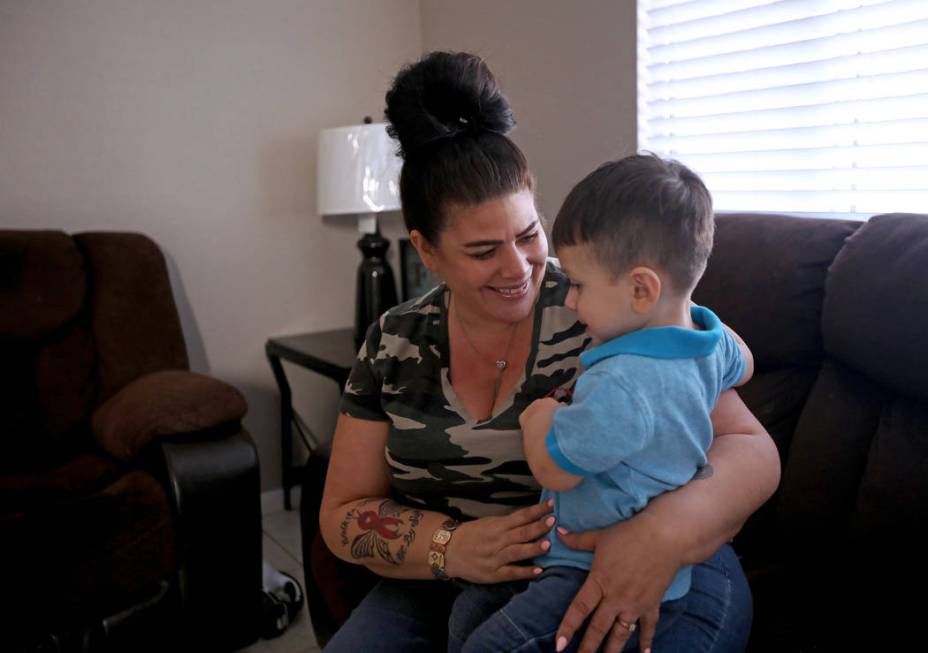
(819, 485)
(776, 399)
(766, 279)
(80, 476)
(46, 397)
(42, 282)
(65, 382)
(855, 478)
(87, 555)
(47, 379)
(82, 540)
(22, 441)
(875, 315)
(892, 501)
(136, 327)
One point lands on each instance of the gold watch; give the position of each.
(440, 539)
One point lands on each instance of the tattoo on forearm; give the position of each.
(703, 472)
(390, 522)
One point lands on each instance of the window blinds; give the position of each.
(790, 105)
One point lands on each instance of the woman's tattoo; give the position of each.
(703, 472)
(391, 521)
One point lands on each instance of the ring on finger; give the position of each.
(630, 627)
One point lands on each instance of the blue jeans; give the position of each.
(524, 616)
(409, 615)
(398, 616)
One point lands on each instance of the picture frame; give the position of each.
(415, 278)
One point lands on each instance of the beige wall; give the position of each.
(196, 123)
(568, 69)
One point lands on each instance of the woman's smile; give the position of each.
(510, 293)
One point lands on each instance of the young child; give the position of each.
(634, 237)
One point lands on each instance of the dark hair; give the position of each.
(641, 210)
(451, 119)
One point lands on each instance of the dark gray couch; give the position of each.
(836, 313)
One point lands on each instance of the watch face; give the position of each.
(441, 537)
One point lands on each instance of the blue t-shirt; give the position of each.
(638, 426)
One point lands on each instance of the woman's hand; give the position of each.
(633, 564)
(487, 550)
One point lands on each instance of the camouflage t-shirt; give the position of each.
(439, 456)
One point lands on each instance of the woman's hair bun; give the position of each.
(442, 95)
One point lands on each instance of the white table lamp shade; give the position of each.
(358, 170)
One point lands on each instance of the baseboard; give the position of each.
(273, 500)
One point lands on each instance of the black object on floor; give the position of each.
(280, 604)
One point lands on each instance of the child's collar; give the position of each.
(663, 342)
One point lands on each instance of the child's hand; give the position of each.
(536, 421)
(540, 408)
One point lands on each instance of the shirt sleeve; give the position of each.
(732, 360)
(606, 423)
(362, 395)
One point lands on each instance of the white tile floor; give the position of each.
(282, 551)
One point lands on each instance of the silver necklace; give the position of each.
(501, 363)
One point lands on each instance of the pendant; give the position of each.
(501, 365)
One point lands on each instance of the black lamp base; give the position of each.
(376, 289)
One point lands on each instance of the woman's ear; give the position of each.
(426, 250)
(646, 289)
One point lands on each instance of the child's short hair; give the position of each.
(641, 210)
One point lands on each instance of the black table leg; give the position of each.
(286, 427)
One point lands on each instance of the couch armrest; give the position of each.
(164, 403)
(213, 478)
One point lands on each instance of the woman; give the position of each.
(429, 428)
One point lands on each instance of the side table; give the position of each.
(329, 353)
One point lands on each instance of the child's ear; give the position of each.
(425, 249)
(646, 289)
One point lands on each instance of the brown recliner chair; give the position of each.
(129, 493)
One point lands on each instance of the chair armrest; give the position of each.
(213, 478)
(160, 404)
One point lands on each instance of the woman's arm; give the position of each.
(742, 473)
(358, 520)
(746, 353)
(361, 524)
(634, 561)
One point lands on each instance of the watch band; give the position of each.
(439, 544)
